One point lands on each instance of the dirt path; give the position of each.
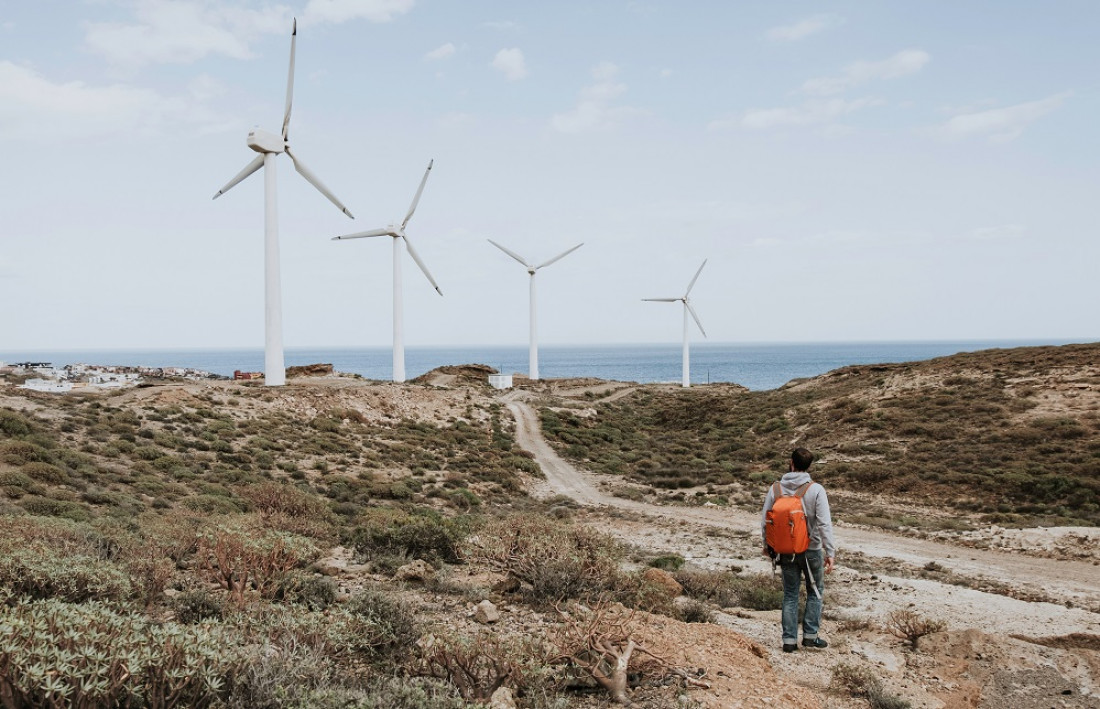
(1074, 583)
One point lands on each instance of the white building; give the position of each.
(500, 381)
(48, 385)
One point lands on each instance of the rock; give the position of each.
(502, 699)
(309, 370)
(509, 584)
(335, 564)
(418, 570)
(486, 612)
(171, 593)
(663, 580)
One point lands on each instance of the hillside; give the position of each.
(1010, 435)
(326, 544)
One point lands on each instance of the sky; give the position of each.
(850, 171)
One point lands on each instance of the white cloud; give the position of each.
(595, 109)
(441, 52)
(804, 28)
(35, 108)
(904, 63)
(1004, 231)
(510, 62)
(814, 112)
(337, 11)
(1001, 124)
(182, 32)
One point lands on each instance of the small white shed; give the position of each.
(500, 381)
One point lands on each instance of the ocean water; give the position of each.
(756, 366)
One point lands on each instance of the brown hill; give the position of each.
(1005, 433)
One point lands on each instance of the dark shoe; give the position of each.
(815, 642)
(789, 648)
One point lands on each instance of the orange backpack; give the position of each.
(785, 527)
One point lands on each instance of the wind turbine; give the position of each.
(533, 357)
(269, 145)
(398, 234)
(686, 379)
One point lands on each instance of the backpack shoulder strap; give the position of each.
(777, 490)
(803, 489)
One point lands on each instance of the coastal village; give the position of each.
(45, 377)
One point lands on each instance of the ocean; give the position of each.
(756, 366)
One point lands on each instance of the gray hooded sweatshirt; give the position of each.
(819, 518)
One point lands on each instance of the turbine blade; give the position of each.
(361, 234)
(419, 191)
(692, 284)
(316, 182)
(290, 79)
(695, 317)
(256, 163)
(513, 254)
(559, 256)
(662, 300)
(412, 252)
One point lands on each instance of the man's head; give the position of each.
(801, 459)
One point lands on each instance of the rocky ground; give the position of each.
(1021, 606)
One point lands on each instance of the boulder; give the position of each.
(418, 570)
(663, 580)
(502, 699)
(486, 612)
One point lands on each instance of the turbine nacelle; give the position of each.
(263, 142)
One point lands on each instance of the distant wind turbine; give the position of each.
(533, 356)
(268, 145)
(686, 379)
(398, 234)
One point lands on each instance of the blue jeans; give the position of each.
(812, 562)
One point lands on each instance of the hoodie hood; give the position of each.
(791, 481)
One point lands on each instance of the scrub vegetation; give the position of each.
(1012, 436)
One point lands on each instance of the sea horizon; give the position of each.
(756, 365)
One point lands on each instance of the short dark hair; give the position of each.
(801, 459)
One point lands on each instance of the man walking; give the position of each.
(814, 562)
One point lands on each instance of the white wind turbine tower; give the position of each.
(398, 234)
(269, 145)
(686, 378)
(533, 356)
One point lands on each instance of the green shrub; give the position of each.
(422, 535)
(761, 592)
(243, 556)
(45, 472)
(859, 681)
(394, 619)
(478, 665)
(669, 562)
(192, 607)
(556, 559)
(695, 611)
(49, 507)
(44, 573)
(211, 505)
(385, 693)
(14, 424)
(18, 452)
(59, 654)
(314, 592)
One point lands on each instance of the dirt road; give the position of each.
(1075, 583)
